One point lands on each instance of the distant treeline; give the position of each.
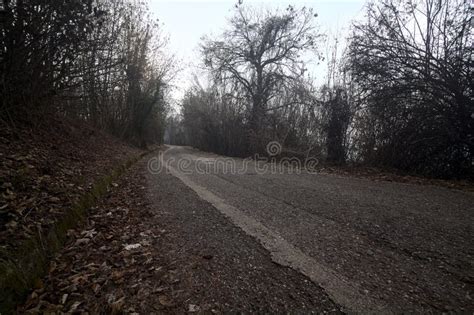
(399, 95)
(101, 61)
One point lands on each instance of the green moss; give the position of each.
(24, 266)
(20, 270)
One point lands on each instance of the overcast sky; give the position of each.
(186, 21)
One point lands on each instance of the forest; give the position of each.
(103, 62)
(398, 95)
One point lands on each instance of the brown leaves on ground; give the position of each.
(45, 170)
(110, 265)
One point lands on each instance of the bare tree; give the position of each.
(102, 61)
(261, 52)
(39, 42)
(412, 61)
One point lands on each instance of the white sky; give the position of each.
(186, 21)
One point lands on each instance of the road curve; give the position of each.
(372, 246)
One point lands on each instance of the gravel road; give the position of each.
(368, 245)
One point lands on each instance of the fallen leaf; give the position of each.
(117, 274)
(89, 233)
(96, 287)
(132, 246)
(82, 241)
(52, 266)
(64, 298)
(117, 306)
(165, 300)
(7, 185)
(193, 308)
(11, 224)
(159, 289)
(74, 306)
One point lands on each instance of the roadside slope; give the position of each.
(44, 169)
(50, 174)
